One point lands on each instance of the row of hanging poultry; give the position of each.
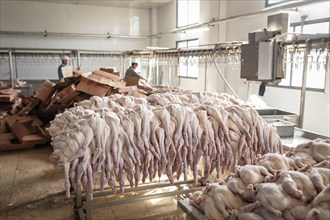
(123, 137)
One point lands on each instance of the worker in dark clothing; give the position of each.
(65, 62)
(131, 71)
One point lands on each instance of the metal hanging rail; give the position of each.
(226, 49)
(59, 34)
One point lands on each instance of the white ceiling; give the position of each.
(111, 3)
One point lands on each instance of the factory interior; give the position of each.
(165, 109)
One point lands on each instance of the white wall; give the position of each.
(70, 18)
(317, 108)
(167, 22)
(37, 16)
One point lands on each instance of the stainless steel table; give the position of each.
(299, 137)
(191, 212)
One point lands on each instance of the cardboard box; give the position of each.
(7, 136)
(46, 91)
(16, 102)
(10, 120)
(118, 84)
(108, 69)
(34, 138)
(52, 109)
(3, 126)
(107, 81)
(106, 75)
(92, 87)
(111, 70)
(66, 95)
(132, 80)
(67, 71)
(127, 89)
(96, 77)
(77, 72)
(8, 95)
(22, 129)
(137, 94)
(5, 141)
(6, 146)
(28, 105)
(82, 96)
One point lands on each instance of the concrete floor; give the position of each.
(30, 188)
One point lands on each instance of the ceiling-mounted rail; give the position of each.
(78, 35)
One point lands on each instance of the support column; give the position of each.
(11, 69)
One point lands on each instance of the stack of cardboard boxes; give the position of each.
(25, 127)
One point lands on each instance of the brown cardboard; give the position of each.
(137, 94)
(8, 95)
(118, 84)
(7, 136)
(96, 77)
(6, 146)
(92, 87)
(66, 95)
(67, 71)
(127, 89)
(46, 91)
(34, 138)
(107, 81)
(22, 129)
(106, 75)
(111, 70)
(108, 69)
(52, 109)
(28, 105)
(5, 141)
(82, 96)
(77, 72)
(10, 120)
(3, 126)
(16, 102)
(132, 80)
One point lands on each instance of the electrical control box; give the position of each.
(261, 58)
(261, 62)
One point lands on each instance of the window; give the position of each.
(187, 12)
(321, 26)
(275, 2)
(317, 59)
(188, 65)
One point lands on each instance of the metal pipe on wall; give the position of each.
(53, 50)
(205, 76)
(303, 86)
(157, 72)
(58, 34)
(78, 60)
(303, 19)
(11, 69)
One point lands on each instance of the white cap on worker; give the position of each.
(65, 58)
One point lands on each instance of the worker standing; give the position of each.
(131, 71)
(65, 62)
